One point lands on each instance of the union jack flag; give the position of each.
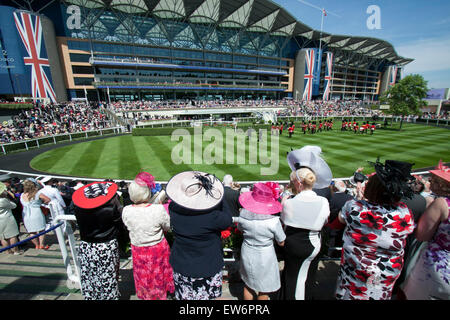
(309, 73)
(328, 73)
(393, 75)
(31, 35)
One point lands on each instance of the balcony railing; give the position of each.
(190, 86)
(136, 62)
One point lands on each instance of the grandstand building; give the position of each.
(182, 49)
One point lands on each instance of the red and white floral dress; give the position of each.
(372, 255)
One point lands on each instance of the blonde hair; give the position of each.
(306, 177)
(30, 189)
(139, 194)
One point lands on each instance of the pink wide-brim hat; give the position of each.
(443, 174)
(260, 200)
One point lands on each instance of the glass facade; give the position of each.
(242, 43)
(207, 53)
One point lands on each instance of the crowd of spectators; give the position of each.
(53, 119)
(443, 115)
(120, 106)
(366, 215)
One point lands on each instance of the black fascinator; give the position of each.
(395, 177)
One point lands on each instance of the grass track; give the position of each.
(122, 157)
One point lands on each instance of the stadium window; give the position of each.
(78, 57)
(82, 70)
(83, 81)
(78, 45)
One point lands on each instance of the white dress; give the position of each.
(33, 218)
(259, 265)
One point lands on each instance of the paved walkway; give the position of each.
(41, 275)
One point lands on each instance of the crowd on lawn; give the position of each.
(392, 228)
(53, 119)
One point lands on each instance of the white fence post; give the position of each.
(73, 277)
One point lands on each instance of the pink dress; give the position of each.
(153, 275)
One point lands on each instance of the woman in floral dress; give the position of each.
(375, 235)
(430, 276)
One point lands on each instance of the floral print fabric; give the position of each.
(372, 255)
(188, 288)
(430, 277)
(99, 263)
(153, 275)
(437, 254)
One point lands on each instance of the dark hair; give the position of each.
(391, 182)
(440, 186)
(376, 192)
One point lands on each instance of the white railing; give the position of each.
(63, 232)
(35, 142)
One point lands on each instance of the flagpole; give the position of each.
(321, 29)
(319, 55)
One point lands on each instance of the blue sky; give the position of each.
(417, 29)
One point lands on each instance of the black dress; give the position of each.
(301, 259)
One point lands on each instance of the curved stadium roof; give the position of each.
(254, 15)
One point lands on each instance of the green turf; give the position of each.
(122, 157)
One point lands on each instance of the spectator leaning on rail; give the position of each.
(304, 217)
(429, 278)
(197, 216)
(147, 222)
(375, 234)
(33, 218)
(259, 265)
(98, 212)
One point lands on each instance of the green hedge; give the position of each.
(158, 131)
(168, 131)
(16, 105)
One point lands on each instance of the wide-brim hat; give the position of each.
(260, 200)
(2, 187)
(445, 175)
(441, 171)
(95, 194)
(195, 190)
(310, 157)
(45, 179)
(5, 177)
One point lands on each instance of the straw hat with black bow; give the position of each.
(195, 190)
